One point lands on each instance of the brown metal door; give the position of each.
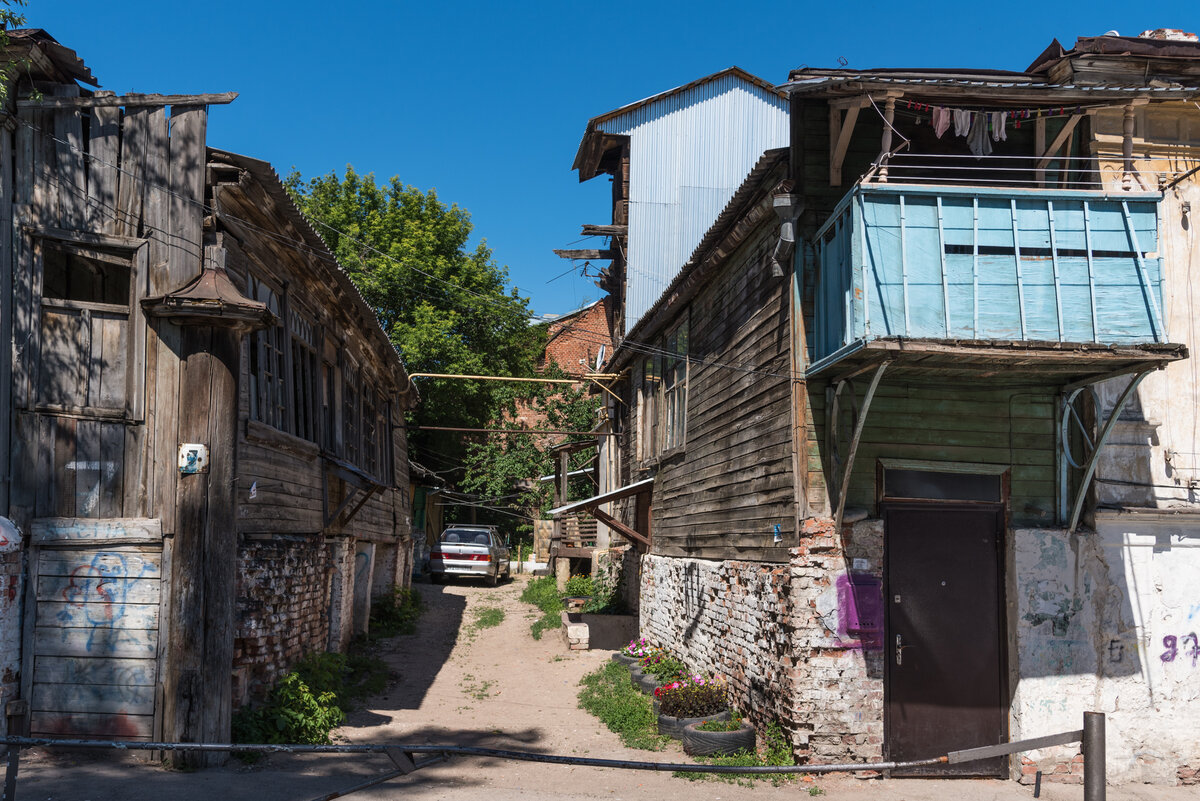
(944, 646)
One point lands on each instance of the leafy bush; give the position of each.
(578, 586)
(396, 613)
(293, 713)
(604, 597)
(692, 697)
(543, 593)
(662, 666)
(608, 694)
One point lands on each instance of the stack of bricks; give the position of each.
(283, 608)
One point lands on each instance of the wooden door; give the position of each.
(92, 639)
(945, 688)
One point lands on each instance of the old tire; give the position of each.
(647, 683)
(635, 676)
(673, 727)
(493, 579)
(717, 743)
(627, 661)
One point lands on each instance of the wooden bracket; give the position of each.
(839, 132)
(619, 527)
(1046, 156)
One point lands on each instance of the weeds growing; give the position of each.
(488, 617)
(608, 694)
(543, 593)
(773, 751)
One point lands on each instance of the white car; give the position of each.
(467, 551)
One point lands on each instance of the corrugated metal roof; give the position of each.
(675, 294)
(265, 174)
(690, 149)
(1027, 85)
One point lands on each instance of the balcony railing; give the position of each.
(968, 263)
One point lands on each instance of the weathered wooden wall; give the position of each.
(732, 485)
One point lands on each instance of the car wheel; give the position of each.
(493, 579)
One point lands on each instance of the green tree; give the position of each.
(500, 468)
(446, 307)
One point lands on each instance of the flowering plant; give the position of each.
(692, 696)
(662, 666)
(639, 648)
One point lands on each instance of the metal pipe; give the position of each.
(1094, 778)
(522, 756)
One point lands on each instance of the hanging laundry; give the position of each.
(977, 137)
(962, 122)
(941, 120)
(998, 120)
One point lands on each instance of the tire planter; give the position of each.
(673, 727)
(647, 682)
(635, 676)
(627, 661)
(716, 743)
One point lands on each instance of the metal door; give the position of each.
(944, 646)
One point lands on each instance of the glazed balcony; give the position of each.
(1031, 270)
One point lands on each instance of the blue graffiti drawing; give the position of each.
(99, 591)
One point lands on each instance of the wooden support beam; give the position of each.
(619, 527)
(858, 430)
(1046, 156)
(129, 101)
(586, 254)
(839, 140)
(605, 230)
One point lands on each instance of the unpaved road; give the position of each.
(494, 687)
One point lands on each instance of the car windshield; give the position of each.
(465, 536)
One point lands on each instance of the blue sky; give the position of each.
(486, 102)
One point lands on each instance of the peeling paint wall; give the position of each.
(1109, 622)
(12, 553)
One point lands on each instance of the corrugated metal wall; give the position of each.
(689, 152)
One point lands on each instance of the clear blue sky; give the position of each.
(486, 102)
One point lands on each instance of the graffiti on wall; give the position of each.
(1187, 646)
(97, 596)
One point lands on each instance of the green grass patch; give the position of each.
(608, 694)
(543, 593)
(772, 751)
(488, 617)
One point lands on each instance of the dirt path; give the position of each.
(496, 687)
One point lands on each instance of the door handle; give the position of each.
(900, 646)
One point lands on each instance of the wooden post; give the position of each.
(889, 116)
(197, 689)
(211, 316)
(1127, 129)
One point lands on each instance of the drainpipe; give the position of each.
(788, 207)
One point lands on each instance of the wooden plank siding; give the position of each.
(733, 483)
(944, 422)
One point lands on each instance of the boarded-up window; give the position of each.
(85, 313)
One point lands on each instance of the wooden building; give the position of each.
(907, 437)
(200, 416)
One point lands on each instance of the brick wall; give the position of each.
(575, 342)
(282, 607)
(11, 554)
(782, 636)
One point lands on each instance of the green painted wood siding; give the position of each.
(948, 422)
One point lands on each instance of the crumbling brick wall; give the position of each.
(782, 636)
(11, 554)
(282, 606)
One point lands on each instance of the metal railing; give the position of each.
(405, 757)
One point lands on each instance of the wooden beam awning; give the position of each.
(590, 504)
(587, 253)
(1016, 361)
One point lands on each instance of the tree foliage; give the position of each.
(500, 466)
(445, 306)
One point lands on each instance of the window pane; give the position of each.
(71, 276)
(941, 486)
